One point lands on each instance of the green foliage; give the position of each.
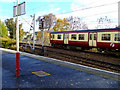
(3, 29)
(11, 25)
(7, 42)
(21, 32)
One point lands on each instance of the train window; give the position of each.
(117, 37)
(81, 36)
(106, 37)
(90, 36)
(52, 36)
(73, 37)
(59, 37)
(94, 36)
(66, 36)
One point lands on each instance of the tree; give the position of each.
(21, 32)
(3, 29)
(76, 23)
(46, 37)
(103, 22)
(49, 21)
(11, 25)
(61, 25)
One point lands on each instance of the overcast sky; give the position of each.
(88, 10)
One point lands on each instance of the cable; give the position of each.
(87, 4)
(85, 8)
(47, 6)
(41, 5)
(27, 22)
(100, 13)
(88, 8)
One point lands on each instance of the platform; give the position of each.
(42, 72)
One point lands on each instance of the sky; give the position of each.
(88, 10)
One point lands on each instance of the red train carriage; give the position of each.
(100, 38)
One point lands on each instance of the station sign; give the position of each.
(21, 9)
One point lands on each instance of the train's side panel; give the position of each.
(80, 40)
(109, 40)
(111, 45)
(78, 43)
(56, 38)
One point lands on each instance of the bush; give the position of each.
(7, 42)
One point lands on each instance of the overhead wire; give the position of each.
(77, 9)
(86, 5)
(100, 13)
(26, 21)
(88, 8)
(48, 6)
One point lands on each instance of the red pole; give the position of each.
(17, 64)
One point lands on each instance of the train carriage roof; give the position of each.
(90, 30)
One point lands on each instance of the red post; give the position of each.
(17, 64)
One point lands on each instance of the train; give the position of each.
(102, 39)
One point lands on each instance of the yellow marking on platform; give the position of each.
(41, 73)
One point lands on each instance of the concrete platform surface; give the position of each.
(36, 73)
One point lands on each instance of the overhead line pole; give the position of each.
(43, 27)
(34, 33)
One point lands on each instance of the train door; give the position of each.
(92, 39)
(66, 36)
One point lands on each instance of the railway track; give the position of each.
(89, 59)
(85, 58)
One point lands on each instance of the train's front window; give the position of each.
(52, 36)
